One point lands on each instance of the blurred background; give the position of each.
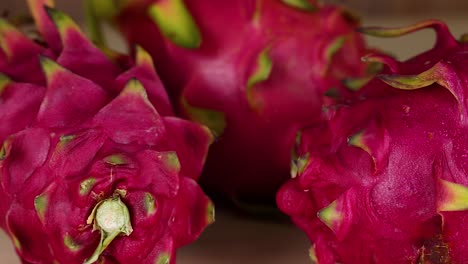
(365, 7)
(236, 238)
(387, 13)
(402, 7)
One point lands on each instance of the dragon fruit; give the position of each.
(387, 182)
(94, 167)
(254, 71)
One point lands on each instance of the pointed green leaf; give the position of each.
(355, 84)
(150, 204)
(261, 73)
(210, 213)
(375, 141)
(2, 152)
(63, 22)
(164, 258)
(299, 165)
(330, 216)
(176, 23)
(453, 196)
(214, 120)
(50, 68)
(71, 244)
(297, 142)
(107, 9)
(143, 58)
(116, 159)
(16, 242)
(93, 20)
(135, 87)
(5, 149)
(44, 24)
(441, 73)
(4, 82)
(36, 7)
(40, 204)
(257, 15)
(65, 139)
(379, 60)
(399, 31)
(86, 186)
(436, 74)
(6, 31)
(262, 69)
(301, 4)
(333, 48)
(13, 41)
(444, 39)
(374, 67)
(171, 160)
(357, 140)
(313, 255)
(97, 11)
(411, 82)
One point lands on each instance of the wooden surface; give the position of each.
(235, 239)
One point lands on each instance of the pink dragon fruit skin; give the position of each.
(387, 182)
(92, 146)
(20, 66)
(254, 71)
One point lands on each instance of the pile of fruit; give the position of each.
(106, 157)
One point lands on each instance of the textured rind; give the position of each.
(81, 127)
(258, 76)
(387, 182)
(18, 55)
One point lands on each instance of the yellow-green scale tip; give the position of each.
(176, 23)
(330, 216)
(300, 4)
(50, 67)
(4, 82)
(143, 58)
(63, 22)
(455, 197)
